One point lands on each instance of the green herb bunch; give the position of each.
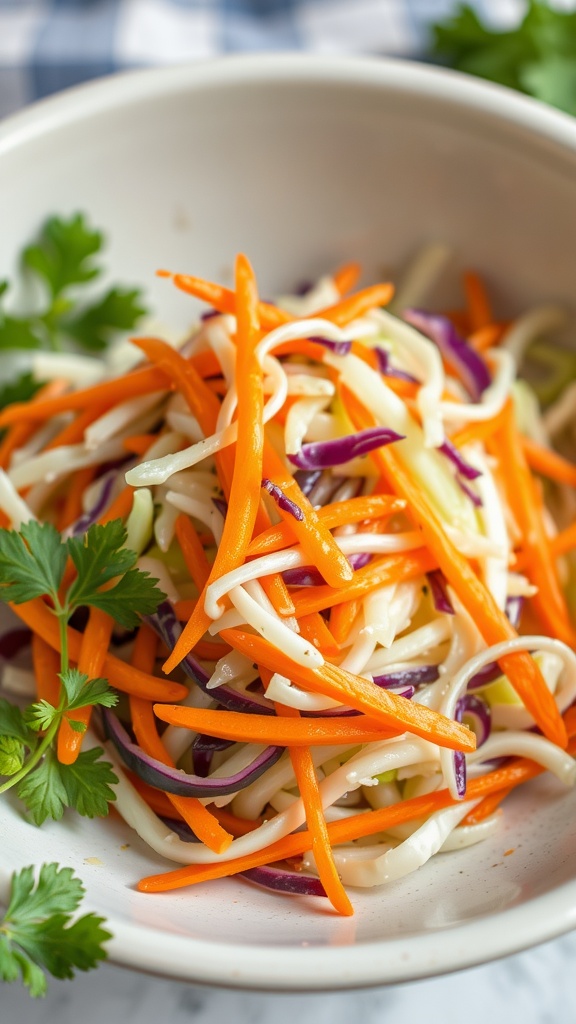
(32, 565)
(538, 57)
(61, 265)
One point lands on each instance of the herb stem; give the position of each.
(34, 758)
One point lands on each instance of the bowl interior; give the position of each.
(305, 164)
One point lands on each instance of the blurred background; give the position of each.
(48, 45)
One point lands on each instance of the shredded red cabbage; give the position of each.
(172, 780)
(165, 623)
(514, 607)
(474, 498)
(387, 370)
(309, 576)
(339, 348)
(476, 709)
(460, 772)
(464, 468)
(307, 479)
(278, 880)
(439, 587)
(408, 677)
(87, 519)
(282, 500)
(470, 366)
(271, 878)
(325, 454)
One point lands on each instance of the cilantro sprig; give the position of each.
(61, 264)
(39, 933)
(32, 565)
(538, 57)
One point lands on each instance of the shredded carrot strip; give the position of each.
(285, 732)
(347, 830)
(246, 484)
(158, 802)
(46, 663)
(23, 430)
(339, 513)
(73, 432)
(277, 593)
(521, 669)
(487, 806)
(211, 650)
(342, 618)
(204, 825)
(314, 629)
(357, 305)
(392, 711)
(194, 555)
(124, 677)
(549, 602)
(460, 319)
(342, 313)
(272, 585)
(381, 572)
(234, 824)
(346, 276)
(139, 443)
(93, 649)
(224, 300)
(120, 507)
(548, 463)
(107, 394)
(310, 531)
(76, 485)
(307, 782)
(185, 377)
(564, 541)
(477, 300)
(486, 337)
(482, 431)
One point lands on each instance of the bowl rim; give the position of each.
(134, 86)
(388, 961)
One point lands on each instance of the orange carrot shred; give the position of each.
(202, 822)
(521, 669)
(245, 489)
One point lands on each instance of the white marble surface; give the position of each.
(534, 987)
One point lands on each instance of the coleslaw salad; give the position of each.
(366, 560)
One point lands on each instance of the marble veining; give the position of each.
(534, 987)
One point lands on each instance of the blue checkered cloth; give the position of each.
(48, 45)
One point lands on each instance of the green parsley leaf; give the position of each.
(38, 934)
(77, 725)
(34, 568)
(94, 326)
(18, 332)
(135, 594)
(52, 787)
(40, 715)
(536, 58)
(82, 692)
(99, 557)
(63, 258)
(11, 755)
(43, 791)
(56, 892)
(22, 389)
(88, 783)
(13, 722)
(63, 253)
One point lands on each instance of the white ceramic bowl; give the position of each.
(303, 163)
